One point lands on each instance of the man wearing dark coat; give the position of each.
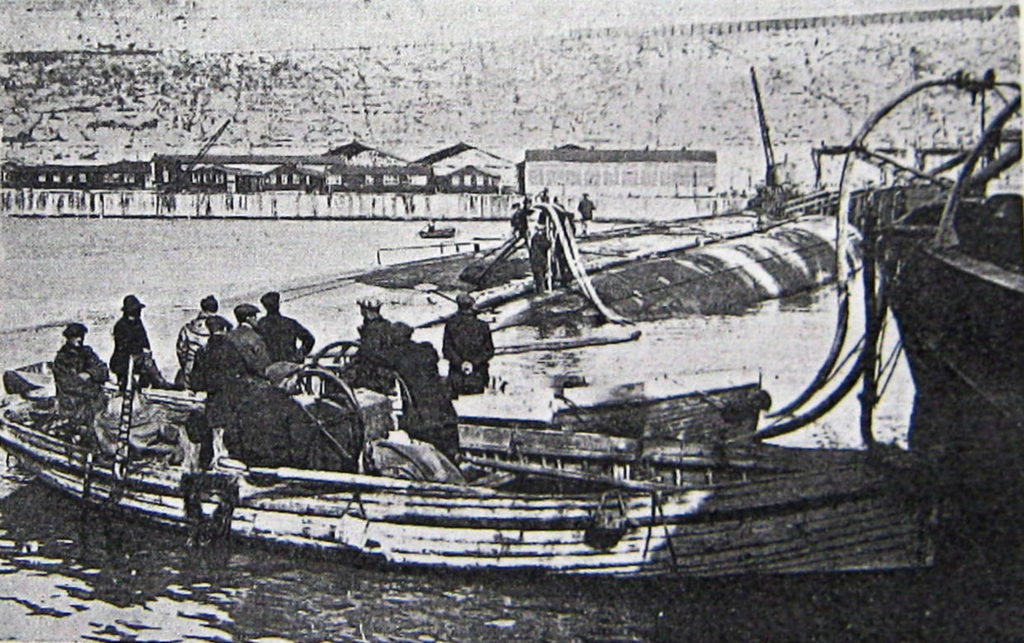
(248, 342)
(520, 227)
(79, 375)
(231, 368)
(192, 337)
(559, 261)
(374, 338)
(250, 419)
(287, 340)
(132, 342)
(468, 347)
(540, 251)
(228, 368)
(586, 209)
(429, 416)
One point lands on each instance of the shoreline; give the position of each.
(340, 206)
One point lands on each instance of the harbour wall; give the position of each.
(663, 87)
(726, 27)
(298, 205)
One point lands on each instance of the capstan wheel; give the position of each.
(335, 408)
(335, 356)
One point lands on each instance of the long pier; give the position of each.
(143, 204)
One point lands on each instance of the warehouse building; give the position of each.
(572, 170)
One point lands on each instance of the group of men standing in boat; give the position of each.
(248, 371)
(386, 349)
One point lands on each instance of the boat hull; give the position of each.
(847, 516)
(438, 233)
(960, 321)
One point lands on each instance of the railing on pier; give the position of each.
(455, 246)
(818, 203)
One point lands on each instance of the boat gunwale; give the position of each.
(56, 452)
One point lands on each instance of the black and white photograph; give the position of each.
(429, 321)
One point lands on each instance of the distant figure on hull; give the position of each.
(192, 337)
(586, 209)
(540, 258)
(287, 340)
(79, 375)
(544, 196)
(559, 262)
(520, 226)
(468, 347)
(132, 343)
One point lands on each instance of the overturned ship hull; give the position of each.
(727, 276)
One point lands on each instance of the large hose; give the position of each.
(572, 259)
(821, 409)
(833, 398)
(825, 370)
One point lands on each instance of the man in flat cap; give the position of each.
(248, 341)
(231, 368)
(468, 347)
(79, 375)
(287, 340)
(132, 343)
(192, 337)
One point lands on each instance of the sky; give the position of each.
(224, 25)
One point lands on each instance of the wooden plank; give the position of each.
(696, 538)
(494, 480)
(538, 470)
(753, 549)
(565, 344)
(699, 416)
(551, 443)
(753, 556)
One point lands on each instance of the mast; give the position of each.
(766, 140)
(202, 153)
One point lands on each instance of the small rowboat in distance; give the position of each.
(434, 232)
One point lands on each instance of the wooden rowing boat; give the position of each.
(432, 232)
(616, 505)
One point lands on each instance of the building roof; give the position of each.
(379, 169)
(256, 159)
(305, 170)
(577, 155)
(81, 164)
(249, 170)
(455, 150)
(348, 150)
(355, 148)
(237, 170)
(472, 169)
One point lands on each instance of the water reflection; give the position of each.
(65, 575)
(92, 576)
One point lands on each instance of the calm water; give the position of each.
(65, 575)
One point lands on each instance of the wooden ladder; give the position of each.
(124, 425)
